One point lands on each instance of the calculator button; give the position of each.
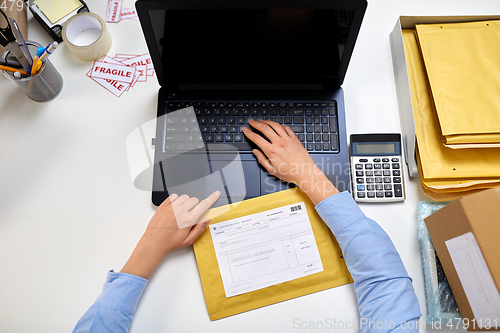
(387, 187)
(380, 194)
(395, 159)
(387, 173)
(398, 192)
(368, 166)
(361, 187)
(397, 179)
(369, 173)
(371, 194)
(370, 187)
(378, 179)
(388, 194)
(360, 180)
(396, 173)
(386, 166)
(385, 160)
(363, 160)
(359, 166)
(369, 180)
(359, 173)
(378, 173)
(377, 166)
(387, 179)
(361, 194)
(376, 160)
(395, 165)
(379, 187)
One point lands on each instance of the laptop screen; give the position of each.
(236, 44)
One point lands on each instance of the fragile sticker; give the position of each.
(114, 11)
(128, 13)
(144, 59)
(114, 75)
(103, 70)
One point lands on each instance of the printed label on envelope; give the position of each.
(264, 249)
(108, 71)
(476, 279)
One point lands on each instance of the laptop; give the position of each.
(221, 63)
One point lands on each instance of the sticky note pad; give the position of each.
(55, 10)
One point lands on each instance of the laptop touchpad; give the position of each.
(241, 178)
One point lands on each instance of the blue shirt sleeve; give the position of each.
(114, 309)
(385, 293)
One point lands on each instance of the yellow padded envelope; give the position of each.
(444, 190)
(335, 271)
(437, 161)
(472, 141)
(463, 67)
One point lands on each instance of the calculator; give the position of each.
(376, 168)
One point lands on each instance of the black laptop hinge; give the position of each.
(251, 86)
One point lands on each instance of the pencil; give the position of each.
(10, 69)
(33, 66)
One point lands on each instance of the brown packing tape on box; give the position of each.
(20, 16)
(479, 214)
(335, 271)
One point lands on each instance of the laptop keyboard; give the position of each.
(314, 123)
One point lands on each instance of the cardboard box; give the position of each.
(472, 269)
(402, 80)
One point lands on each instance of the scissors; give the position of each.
(10, 42)
(6, 35)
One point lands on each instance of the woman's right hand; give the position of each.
(286, 158)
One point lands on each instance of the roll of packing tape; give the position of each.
(86, 36)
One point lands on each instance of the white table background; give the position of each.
(69, 211)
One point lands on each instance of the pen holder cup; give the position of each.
(43, 86)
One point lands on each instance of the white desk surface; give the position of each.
(69, 211)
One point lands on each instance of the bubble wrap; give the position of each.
(441, 305)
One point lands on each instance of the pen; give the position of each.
(10, 69)
(50, 48)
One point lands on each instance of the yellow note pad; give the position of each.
(55, 10)
(437, 161)
(335, 272)
(462, 63)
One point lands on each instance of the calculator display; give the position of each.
(376, 148)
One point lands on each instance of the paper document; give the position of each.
(266, 248)
(476, 279)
